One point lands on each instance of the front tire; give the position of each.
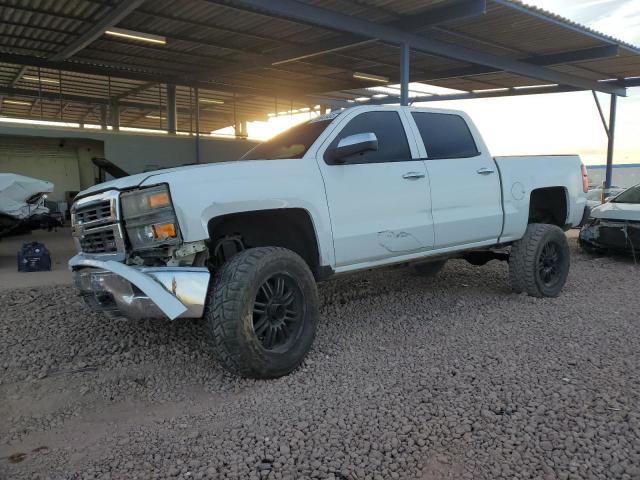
(262, 312)
(539, 261)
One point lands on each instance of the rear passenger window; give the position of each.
(392, 139)
(445, 135)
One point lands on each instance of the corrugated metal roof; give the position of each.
(205, 38)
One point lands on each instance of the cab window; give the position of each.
(445, 135)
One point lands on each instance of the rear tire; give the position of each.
(429, 269)
(262, 312)
(539, 261)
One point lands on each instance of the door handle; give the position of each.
(485, 171)
(413, 175)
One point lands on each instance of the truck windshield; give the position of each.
(292, 143)
(631, 195)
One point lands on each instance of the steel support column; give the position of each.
(612, 135)
(103, 117)
(114, 113)
(196, 96)
(172, 118)
(405, 54)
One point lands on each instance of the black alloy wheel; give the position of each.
(278, 312)
(549, 263)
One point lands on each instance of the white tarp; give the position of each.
(15, 190)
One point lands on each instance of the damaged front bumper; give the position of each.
(622, 235)
(141, 292)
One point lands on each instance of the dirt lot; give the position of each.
(451, 377)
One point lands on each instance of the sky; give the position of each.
(562, 123)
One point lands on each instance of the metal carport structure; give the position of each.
(220, 62)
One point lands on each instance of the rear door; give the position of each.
(378, 200)
(466, 196)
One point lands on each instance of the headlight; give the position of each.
(149, 218)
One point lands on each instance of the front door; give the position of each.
(378, 200)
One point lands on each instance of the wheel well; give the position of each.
(548, 205)
(290, 228)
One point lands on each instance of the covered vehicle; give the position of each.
(614, 225)
(21, 200)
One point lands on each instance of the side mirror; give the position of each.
(358, 143)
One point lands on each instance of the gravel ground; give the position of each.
(452, 377)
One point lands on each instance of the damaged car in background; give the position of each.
(22, 203)
(614, 225)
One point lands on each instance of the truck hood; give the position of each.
(133, 181)
(617, 211)
(15, 190)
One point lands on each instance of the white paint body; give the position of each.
(367, 215)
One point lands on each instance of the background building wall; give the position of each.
(65, 163)
(63, 155)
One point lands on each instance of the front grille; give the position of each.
(94, 212)
(97, 227)
(103, 241)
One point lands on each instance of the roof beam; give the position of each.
(18, 76)
(81, 99)
(584, 54)
(298, 96)
(428, 18)
(310, 14)
(498, 92)
(56, 97)
(631, 82)
(124, 8)
(135, 91)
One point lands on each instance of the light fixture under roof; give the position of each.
(362, 99)
(370, 77)
(17, 102)
(31, 78)
(154, 117)
(490, 90)
(527, 87)
(133, 35)
(213, 101)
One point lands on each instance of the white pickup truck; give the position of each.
(242, 244)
